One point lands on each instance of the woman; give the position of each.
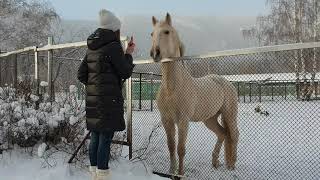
(103, 69)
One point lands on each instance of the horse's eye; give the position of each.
(167, 32)
(152, 34)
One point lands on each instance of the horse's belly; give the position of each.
(210, 98)
(206, 109)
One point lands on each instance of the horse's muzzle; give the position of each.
(155, 54)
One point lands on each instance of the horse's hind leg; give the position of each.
(229, 119)
(213, 124)
(170, 130)
(183, 133)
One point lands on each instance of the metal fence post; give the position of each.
(129, 115)
(285, 91)
(272, 91)
(316, 89)
(1, 72)
(245, 92)
(260, 93)
(140, 91)
(15, 70)
(36, 75)
(50, 68)
(151, 90)
(239, 92)
(250, 91)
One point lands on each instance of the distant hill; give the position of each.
(199, 34)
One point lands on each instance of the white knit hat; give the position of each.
(109, 21)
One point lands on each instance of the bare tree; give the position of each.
(24, 23)
(292, 22)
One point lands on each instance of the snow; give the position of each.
(262, 77)
(33, 121)
(22, 123)
(73, 89)
(18, 165)
(41, 149)
(283, 145)
(73, 120)
(34, 98)
(54, 120)
(44, 84)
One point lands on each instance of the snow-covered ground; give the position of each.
(18, 165)
(271, 76)
(283, 145)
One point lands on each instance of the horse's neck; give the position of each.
(174, 75)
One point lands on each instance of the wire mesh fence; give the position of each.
(277, 97)
(277, 118)
(144, 87)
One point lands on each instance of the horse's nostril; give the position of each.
(157, 52)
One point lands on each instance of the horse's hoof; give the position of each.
(173, 171)
(181, 173)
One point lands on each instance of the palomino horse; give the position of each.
(182, 98)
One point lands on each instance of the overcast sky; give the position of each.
(87, 9)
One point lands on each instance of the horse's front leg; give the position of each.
(183, 133)
(170, 130)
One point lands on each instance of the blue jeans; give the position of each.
(99, 149)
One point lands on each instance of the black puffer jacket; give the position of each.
(102, 71)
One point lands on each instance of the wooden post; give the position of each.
(50, 70)
(129, 106)
(36, 75)
(129, 115)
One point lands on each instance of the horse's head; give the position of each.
(165, 40)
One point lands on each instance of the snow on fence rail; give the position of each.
(278, 139)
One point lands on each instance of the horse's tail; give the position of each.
(231, 139)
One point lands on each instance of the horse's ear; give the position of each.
(182, 49)
(154, 21)
(168, 19)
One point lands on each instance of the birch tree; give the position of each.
(24, 23)
(293, 21)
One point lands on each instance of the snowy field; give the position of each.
(283, 145)
(18, 165)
